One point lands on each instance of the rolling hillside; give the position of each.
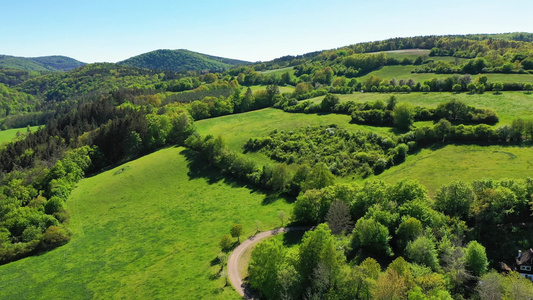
(42, 64)
(181, 60)
(149, 231)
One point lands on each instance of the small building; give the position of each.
(524, 263)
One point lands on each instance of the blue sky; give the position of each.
(110, 31)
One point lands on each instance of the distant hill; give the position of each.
(41, 64)
(181, 60)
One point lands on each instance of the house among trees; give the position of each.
(524, 263)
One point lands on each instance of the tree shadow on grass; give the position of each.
(292, 238)
(199, 168)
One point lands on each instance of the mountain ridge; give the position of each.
(181, 60)
(51, 63)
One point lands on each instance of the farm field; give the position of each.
(146, 229)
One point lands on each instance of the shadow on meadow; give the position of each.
(199, 168)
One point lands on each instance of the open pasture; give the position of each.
(507, 105)
(439, 166)
(147, 229)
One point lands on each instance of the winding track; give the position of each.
(233, 262)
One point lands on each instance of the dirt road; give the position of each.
(233, 261)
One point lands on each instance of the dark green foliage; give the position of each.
(236, 231)
(42, 64)
(181, 61)
(372, 237)
(338, 218)
(431, 240)
(423, 252)
(476, 259)
(29, 221)
(329, 102)
(319, 260)
(12, 77)
(402, 115)
(226, 242)
(343, 152)
(455, 199)
(265, 265)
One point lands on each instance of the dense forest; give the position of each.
(377, 238)
(40, 64)
(181, 61)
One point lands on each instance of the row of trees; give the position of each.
(277, 177)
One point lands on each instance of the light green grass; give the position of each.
(404, 72)
(507, 105)
(434, 168)
(282, 89)
(148, 232)
(278, 72)
(238, 128)
(9, 134)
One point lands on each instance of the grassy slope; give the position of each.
(436, 167)
(237, 129)
(278, 72)
(507, 105)
(432, 167)
(404, 72)
(9, 134)
(150, 231)
(282, 89)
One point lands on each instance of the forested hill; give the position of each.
(181, 60)
(41, 64)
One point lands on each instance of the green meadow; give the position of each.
(146, 229)
(435, 167)
(507, 105)
(404, 72)
(238, 128)
(282, 89)
(10, 134)
(278, 72)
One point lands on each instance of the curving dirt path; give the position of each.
(233, 261)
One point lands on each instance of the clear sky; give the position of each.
(114, 30)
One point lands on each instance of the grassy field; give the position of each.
(148, 229)
(432, 167)
(282, 89)
(237, 129)
(507, 105)
(440, 166)
(9, 134)
(404, 72)
(278, 72)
